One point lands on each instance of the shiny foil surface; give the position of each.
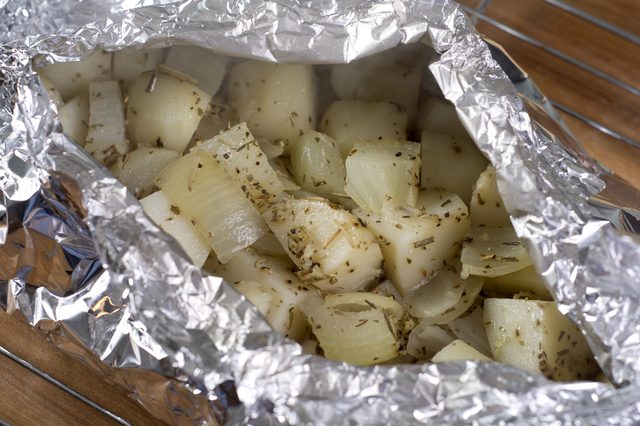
(78, 249)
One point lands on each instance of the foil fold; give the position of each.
(132, 299)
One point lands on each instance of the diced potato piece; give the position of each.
(383, 173)
(332, 249)
(278, 101)
(199, 186)
(536, 337)
(73, 78)
(451, 162)
(426, 340)
(526, 280)
(358, 328)
(159, 208)
(240, 155)
(486, 207)
(106, 139)
(128, 63)
(350, 122)
(470, 329)
(163, 110)
(138, 169)
(393, 76)
(416, 243)
(491, 252)
(439, 116)
(74, 117)
(459, 351)
(317, 164)
(205, 67)
(273, 283)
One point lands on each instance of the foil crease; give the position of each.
(133, 299)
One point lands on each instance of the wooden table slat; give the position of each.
(571, 35)
(621, 13)
(23, 341)
(29, 399)
(573, 87)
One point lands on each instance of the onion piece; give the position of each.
(240, 155)
(472, 287)
(317, 164)
(137, 169)
(276, 283)
(198, 185)
(493, 251)
(486, 207)
(106, 139)
(383, 173)
(159, 208)
(439, 294)
(359, 328)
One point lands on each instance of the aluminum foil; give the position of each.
(79, 250)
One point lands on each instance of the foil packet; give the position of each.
(79, 252)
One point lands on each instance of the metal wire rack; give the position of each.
(478, 14)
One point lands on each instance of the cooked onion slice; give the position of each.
(383, 173)
(493, 251)
(472, 287)
(106, 138)
(159, 208)
(240, 155)
(137, 169)
(317, 164)
(198, 185)
(358, 328)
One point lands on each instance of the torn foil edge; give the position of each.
(210, 332)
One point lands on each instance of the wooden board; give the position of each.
(28, 399)
(572, 86)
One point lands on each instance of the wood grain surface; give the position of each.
(570, 85)
(28, 399)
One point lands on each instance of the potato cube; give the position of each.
(278, 101)
(535, 336)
